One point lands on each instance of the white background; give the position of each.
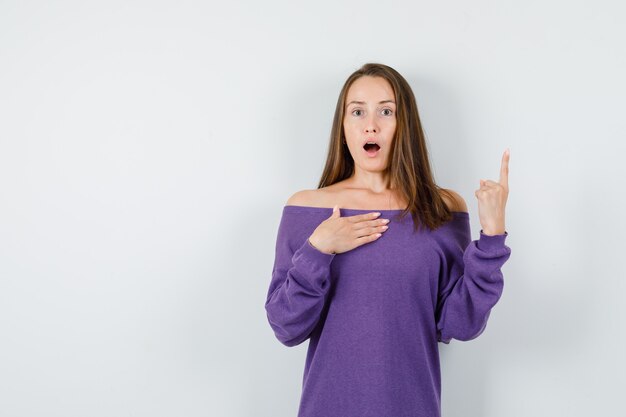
(147, 149)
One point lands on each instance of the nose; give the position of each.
(370, 125)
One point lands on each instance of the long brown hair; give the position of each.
(409, 169)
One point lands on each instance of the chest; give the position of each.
(400, 266)
(348, 197)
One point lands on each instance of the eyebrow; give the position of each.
(362, 102)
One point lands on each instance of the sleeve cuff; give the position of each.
(311, 255)
(490, 243)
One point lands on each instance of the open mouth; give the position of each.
(371, 148)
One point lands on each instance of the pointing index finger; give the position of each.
(504, 169)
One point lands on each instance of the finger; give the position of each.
(371, 224)
(363, 217)
(489, 183)
(485, 184)
(362, 240)
(504, 168)
(336, 212)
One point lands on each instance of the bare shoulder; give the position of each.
(318, 197)
(453, 200)
(301, 198)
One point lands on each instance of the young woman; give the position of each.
(373, 289)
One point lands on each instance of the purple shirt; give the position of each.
(374, 315)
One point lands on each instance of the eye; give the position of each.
(389, 110)
(354, 111)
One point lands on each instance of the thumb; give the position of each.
(336, 213)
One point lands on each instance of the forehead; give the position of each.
(368, 88)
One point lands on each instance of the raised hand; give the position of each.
(492, 198)
(339, 234)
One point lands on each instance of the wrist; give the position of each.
(492, 232)
(316, 247)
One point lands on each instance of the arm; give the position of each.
(470, 283)
(299, 285)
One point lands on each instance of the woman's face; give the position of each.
(370, 116)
